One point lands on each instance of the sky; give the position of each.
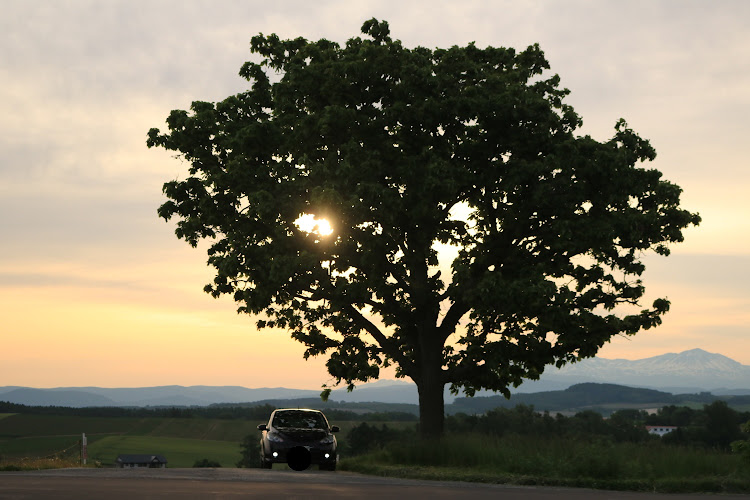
(95, 289)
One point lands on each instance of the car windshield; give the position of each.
(300, 420)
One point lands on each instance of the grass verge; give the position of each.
(531, 460)
(37, 464)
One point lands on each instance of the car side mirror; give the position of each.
(335, 428)
(262, 427)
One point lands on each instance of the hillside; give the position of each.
(692, 371)
(42, 397)
(604, 398)
(577, 397)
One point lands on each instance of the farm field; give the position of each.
(183, 441)
(180, 452)
(27, 425)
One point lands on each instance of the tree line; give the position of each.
(715, 426)
(258, 412)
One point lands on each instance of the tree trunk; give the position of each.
(430, 386)
(431, 407)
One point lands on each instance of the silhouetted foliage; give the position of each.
(592, 395)
(742, 446)
(327, 406)
(715, 426)
(250, 452)
(401, 150)
(248, 412)
(680, 416)
(523, 420)
(365, 437)
(388, 416)
(206, 463)
(722, 425)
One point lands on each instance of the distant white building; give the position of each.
(660, 430)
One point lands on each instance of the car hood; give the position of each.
(302, 434)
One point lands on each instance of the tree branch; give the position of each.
(381, 339)
(451, 319)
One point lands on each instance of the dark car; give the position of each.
(299, 437)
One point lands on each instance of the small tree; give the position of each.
(364, 437)
(722, 425)
(400, 151)
(250, 452)
(743, 446)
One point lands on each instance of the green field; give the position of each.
(63, 446)
(183, 441)
(44, 441)
(180, 452)
(26, 425)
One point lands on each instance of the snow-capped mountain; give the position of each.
(687, 371)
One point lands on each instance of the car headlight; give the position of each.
(274, 438)
(326, 440)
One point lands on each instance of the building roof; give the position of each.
(141, 459)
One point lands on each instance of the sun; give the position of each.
(309, 224)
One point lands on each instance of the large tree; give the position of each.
(411, 155)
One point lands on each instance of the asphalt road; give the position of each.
(128, 484)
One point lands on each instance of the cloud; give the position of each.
(83, 81)
(723, 276)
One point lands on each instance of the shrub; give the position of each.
(365, 437)
(743, 446)
(206, 463)
(250, 452)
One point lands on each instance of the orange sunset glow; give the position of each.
(96, 290)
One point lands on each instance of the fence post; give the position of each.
(84, 450)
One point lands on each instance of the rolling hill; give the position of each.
(690, 371)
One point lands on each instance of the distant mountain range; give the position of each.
(686, 372)
(690, 371)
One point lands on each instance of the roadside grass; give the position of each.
(532, 460)
(6, 415)
(179, 452)
(37, 446)
(37, 464)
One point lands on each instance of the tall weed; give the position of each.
(561, 457)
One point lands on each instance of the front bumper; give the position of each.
(278, 453)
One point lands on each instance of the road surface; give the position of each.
(126, 484)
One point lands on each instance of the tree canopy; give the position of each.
(405, 152)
